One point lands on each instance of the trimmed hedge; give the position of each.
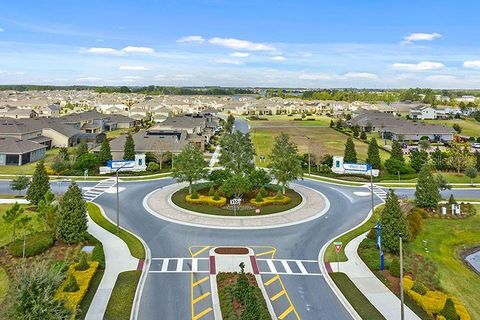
(271, 200)
(433, 302)
(208, 200)
(73, 299)
(35, 243)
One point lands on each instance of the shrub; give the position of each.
(419, 288)
(415, 221)
(211, 192)
(83, 263)
(71, 285)
(395, 267)
(194, 194)
(259, 197)
(35, 243)
(263, 192)
(279, 195)
(368, 251)
(216, 196)
(449, 311)
(270, 200)
(211, 201)
(153, 166)
(98, 255)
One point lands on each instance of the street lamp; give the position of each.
(402, 312)
(118, 199)
(308, 146)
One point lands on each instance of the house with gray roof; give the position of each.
(17, 152)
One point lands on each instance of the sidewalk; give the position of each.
(12, 201)
(214, 159)
(117, 259)
(374, 290)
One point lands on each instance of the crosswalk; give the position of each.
(379, 192)
(99, 189)
(265, 266)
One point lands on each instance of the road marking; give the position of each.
(271, 280)
(301, 267)
(201, 314)
(165, 265)
(278, 295)
(271, 266)
(265, 253)
(200, 251)
(179, 264)
(286, 266)
(201, 281)
(286, 313)
(194, 265)
(203, 296)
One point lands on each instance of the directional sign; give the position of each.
(357, 167)
(338, 245)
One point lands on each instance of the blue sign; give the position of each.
(379, 243)
(117, 164)
(364, 167)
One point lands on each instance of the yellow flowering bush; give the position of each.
(73, 299)
(208, 200)
(270, 200)
(433, 302)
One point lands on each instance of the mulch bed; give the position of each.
(231, 250)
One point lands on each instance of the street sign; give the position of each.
(116, 164)
(338, 246)
(235, 201)
(357, 167)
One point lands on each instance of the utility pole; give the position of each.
(402, 313)
(371, 187)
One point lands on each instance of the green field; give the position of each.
(29, 167)
(6, 230)
(320, 141)
(281, 120)
(120, 304)
(470, 127)
(446, 239)
(117, 133)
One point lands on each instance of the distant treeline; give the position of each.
(152, 90)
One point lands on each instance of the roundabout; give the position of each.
(312, 206)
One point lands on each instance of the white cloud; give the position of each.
(88, 79)
(361, 75)
(472, 64)
(421, 37)
(133, 68)
(421, 66)
(229, 61)
(311, 76)
(104, 51)
(240, 54)
(191, 39)
(160, 76)
(237, 44)
(441, 77)
(278, 58)
(132, 77)
(143, 50)
(1, 29)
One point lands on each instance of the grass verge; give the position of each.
(134, 245)
(3, 285)
(356, 298)
(120, 304)
(88, 298)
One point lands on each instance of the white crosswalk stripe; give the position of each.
(379, 192)
(99, 189)
(179, 265)
(290, 267)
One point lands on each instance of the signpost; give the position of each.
(379, 243)
(338, 247)
(235, 202)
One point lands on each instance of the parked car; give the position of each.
(476, 145)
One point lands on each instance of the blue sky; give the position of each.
(374, 44)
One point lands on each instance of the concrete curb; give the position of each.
(143, 279)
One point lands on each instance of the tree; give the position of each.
(129, 148)
(442, 183)
(285, 165)
(63, 153)
(460, 159)
(218, 177)
(24, 223)
(363, 135)
(424, 144)
(105, 153)
(350, 154)
(237, 153)
(12, 216)
(229, 123)
(59, 165)
(259, 178)
(457, 128)
(397, 152)
(189, 165)
(427, 194)
(393, 223)
(87, 161)
(236, 186)
(395, 166)
(47, 209)
(439, 159)
(32, 294)
(40, 184)
(373, 154)
(72, 215)
(356, 131)
(20, 183)
(477, 159)
(471, 173)
(418, 158)
(81, 149)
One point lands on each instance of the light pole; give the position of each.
(118, 199)
(402, 313)
(371, 186)
(308, 146)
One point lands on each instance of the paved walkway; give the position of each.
(214, 159)
(374, 290)
(159, 203)
(117, 260)
(12, 201)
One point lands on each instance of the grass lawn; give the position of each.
(134, 245)
(356, 298)
(179, 199)
(446, 239)
(6, 230)
(30, 167)
(277, 120)
(330, 255)
(3, 285)
(88, 298)
(322, 141)
(470, 127)
(117, 133)
(12, 196)
(120, 304)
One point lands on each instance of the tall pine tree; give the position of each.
(72, 216)
(129, 148)
(397, 152)
(350, 154)
(427, 194)
(393, 223)
(40, 184)
(373, 154)
(105, 153)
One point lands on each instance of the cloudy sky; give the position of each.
(350, 43)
